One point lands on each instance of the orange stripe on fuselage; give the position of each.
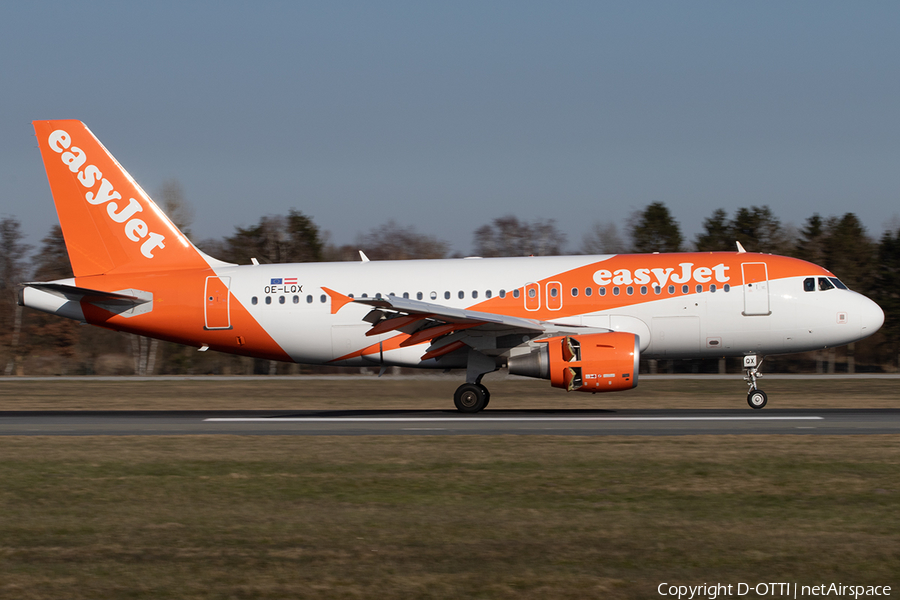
(625, 267)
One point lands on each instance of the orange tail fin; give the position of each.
(109, 223)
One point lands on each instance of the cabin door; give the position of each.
(756, 289)
(217, 303)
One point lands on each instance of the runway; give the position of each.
(430, 422)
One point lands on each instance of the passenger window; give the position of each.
(433, 295)
(532, 293)
(503, 293)
(418, 295)
(684, 289)
(406, 295)
(296, 299)
(699, 288)
(364, 296)
(446, 295)
(377, 296)
(629, 290)
(268, 299)
(712, 288)
(616, 291)
(461, 294)
(574, 292)
(588, 291)
(809, 284)
(643, 290)
(553, 292)
(515, 293)
(825, 284)
(602, 291)
(474, 294)
(280, 299)
(837, 283)
(726, 287)
(657, 290)
(254, 300)
(323, 298)
(488, 294)
(309, 299)
(671, 289)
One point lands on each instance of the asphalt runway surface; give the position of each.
(441, 422)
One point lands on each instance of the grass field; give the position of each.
(442, 517)
(436, 392)
(436, 517)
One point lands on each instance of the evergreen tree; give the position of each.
(717, 235)
(758, 230)
(655, 230)
(811, 245)
(849, 253)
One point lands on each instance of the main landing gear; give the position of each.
(471, 396)
(756, 398)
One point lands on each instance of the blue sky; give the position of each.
(445, 115)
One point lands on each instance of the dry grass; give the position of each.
(427, 393)
(438, 517)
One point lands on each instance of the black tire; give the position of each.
(470, 398)
(757, 399)
(487, 395)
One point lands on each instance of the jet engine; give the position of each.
(595, 362)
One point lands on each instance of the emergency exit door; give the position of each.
(756, 289)
(217, 303)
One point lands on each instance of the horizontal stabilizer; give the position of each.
(77, 294)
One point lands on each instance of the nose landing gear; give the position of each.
(756, 398)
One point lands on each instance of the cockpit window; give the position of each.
(837, 283)
(825, 284)
(809, 284)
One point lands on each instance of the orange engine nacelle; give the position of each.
(596, 362)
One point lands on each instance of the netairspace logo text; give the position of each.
(771, 590)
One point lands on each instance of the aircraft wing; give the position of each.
(450, 328)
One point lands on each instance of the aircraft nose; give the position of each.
(871, 318)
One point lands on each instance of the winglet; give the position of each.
(338, 300)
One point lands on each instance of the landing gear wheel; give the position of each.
(470, 398)
(757, 399)
(487, 394)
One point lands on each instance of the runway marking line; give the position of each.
(485, 419)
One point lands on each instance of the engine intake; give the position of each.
(596, 362)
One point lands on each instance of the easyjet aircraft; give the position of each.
(580, 321)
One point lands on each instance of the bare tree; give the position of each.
(507, 236)
(176, 206)
(395, 242)
(13, 268)
(603, 238)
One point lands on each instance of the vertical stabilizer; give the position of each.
(109, 223)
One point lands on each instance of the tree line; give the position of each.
(36, 343)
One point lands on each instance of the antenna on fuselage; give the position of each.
(740, 248)
(363, 257)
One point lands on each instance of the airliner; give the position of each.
(581, 322)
